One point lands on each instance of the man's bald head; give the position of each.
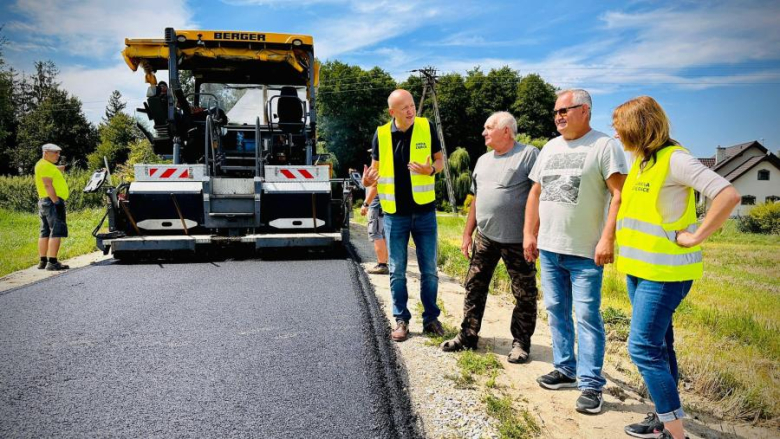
(398, 95)
(401, 108)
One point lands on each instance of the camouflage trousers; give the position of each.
(484, 258)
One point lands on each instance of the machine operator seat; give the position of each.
(290, 111)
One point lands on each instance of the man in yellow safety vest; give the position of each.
(406, 154)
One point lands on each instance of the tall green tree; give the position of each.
(115, 105)
(7, 110)
(534, 107)
(351, 103)
(57, 119)
(116, 136)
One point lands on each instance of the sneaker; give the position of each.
(666, 434)
(434, 328)
(517, 354)
(589, 402)
(56, 266)
(379, 269)
(401, 331)
(651, 427)
(42, 264)
(556, 380)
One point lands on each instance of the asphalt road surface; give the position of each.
(260, 348)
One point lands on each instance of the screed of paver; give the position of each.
(553, 410)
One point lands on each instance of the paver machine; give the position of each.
(241, 145)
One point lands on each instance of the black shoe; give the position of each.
(434, 328)
(556, 380)
(589, 402)
(56, 266)
(42, 264)
(650, 428)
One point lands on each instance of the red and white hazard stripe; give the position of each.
(296, 174)
(168, 173)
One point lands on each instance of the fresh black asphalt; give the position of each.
(254, 348)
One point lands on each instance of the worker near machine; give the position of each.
(376, 230)
(52, 192)
(406, 154)
(500, 188)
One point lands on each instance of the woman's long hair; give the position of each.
(643, 127)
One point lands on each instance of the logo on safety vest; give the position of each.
(641, 186)
(420, 145)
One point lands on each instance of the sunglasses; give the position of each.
(565, 110)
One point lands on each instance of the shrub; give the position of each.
(18, 193)
(763, 218)
(141, 151)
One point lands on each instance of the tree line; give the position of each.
(352, 102)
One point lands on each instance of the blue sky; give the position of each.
(713, 65)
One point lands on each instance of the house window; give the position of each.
(748, 200)
(772, 199)
(763, 174)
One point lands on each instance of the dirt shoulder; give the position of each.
(448, 411)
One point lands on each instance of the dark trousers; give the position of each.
(484, 258)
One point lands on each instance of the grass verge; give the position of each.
(19, 237)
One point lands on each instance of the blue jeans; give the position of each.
(573, 280)
(423, 230)
(651, 340)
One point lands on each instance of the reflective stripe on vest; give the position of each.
(647, 247)
(423, 186)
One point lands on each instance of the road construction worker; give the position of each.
(52, 192)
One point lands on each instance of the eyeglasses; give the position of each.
(563, 111)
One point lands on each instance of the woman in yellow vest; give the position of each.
(658, 248)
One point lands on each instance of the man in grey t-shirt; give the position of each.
(575, 177)
(500, 189)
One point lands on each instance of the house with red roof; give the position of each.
(752, 169)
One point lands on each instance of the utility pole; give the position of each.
(429, 77)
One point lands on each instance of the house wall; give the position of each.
(753, 151)
(749, 184)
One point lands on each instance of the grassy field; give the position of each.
(19, 237)
(727, 330)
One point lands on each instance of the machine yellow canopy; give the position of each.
(197, 47)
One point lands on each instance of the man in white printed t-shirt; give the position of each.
(570, 226)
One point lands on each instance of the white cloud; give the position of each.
(97, 28)
(94, 86)
(365, 24)
(709, 46)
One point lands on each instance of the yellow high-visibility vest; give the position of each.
(647, 247)
(423, 186)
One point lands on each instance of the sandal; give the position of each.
(456, 344)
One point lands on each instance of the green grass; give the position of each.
(19, 237)
(513, 424)
(727, 330)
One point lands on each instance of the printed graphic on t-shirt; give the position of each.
(561, 178)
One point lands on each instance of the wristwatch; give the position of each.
(433, 171)
(365, 204)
